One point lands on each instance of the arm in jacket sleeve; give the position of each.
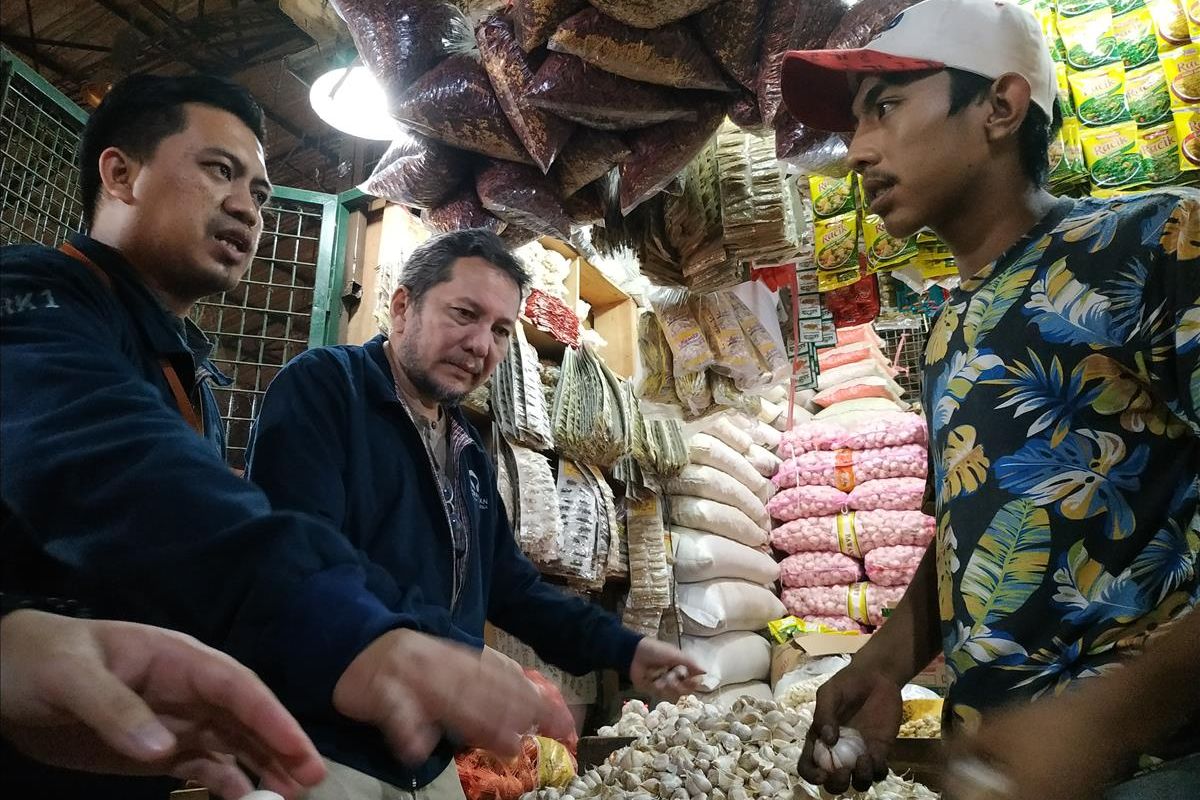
(297, 455)
(568, 632)
(114, 485)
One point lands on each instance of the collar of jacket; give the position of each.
(161, 328)
(382, 387)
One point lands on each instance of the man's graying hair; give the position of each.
(430, 264)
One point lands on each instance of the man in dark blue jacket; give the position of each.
(114, 489)
(371, 439)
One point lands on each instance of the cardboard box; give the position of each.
(802, 649)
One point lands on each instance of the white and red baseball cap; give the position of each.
(991, 38)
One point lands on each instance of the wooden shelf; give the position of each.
(547, 346)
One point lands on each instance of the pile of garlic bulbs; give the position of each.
(694, 751)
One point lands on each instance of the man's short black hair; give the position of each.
(1034, 135)
(431, 263)
(142, 110)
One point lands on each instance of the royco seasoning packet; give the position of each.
(1182, 69)
(835, 245)
(1147, 96)
(831, 196)
(1100, 96)
(1187, 132)
(1113, 157)
(883, 250)
(1089, 39)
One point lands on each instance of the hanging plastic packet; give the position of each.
(1159, 147)
(1077, 8)
(831, 196)
(693, 392)
(1191, 10)
(1170, 24)
(689, 348)
(835, 250)
(1089, 39)
(1182, 69)
(1065, 104)
(1113, 156)
(1187, 133)
(1073, 147)
(1100, 96)
(1147, 96)
(885, 251)
(1136, 40)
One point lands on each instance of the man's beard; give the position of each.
(422, 381)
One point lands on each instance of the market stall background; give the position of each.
(716, 376)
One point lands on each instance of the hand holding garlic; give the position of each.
(842, 755)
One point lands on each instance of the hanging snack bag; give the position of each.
(732, 30)
(1187, 133)
(1159, 147)
(1182, 69)
(1170, 24)
(655, 379)
(732, 358)
(693, 392)
(1147, 96)
(1100, 96)
(1136, 41)
(689, 349)
(831, 196)
(1089, 39)
(835, 242)
(883, 250)
(1113, 156)
(1073, 147)
(1065, 104)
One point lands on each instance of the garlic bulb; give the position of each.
(844, 754)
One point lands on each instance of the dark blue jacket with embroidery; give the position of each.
(333, 441)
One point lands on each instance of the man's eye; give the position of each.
(883, 107)
(261, 198)
(221, 169)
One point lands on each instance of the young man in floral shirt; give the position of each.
(1062, 389)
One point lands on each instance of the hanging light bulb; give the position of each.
(351, 100)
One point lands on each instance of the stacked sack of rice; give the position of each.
(851, 488)
(725, 575)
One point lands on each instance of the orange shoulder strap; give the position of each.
(168, 370)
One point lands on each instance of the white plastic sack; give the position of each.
(766, 462)
(857, 412)
(724, 429)
(703, 556)
(817, 668)
(713, 517)
(719, 606)
(697, 480)
(735, 657)
(765, 436)
(706, 449)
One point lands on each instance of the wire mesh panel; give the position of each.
(904, 339)
(38, 177)
(266, 321)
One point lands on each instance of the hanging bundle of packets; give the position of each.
(849, 241)
(1129, 92)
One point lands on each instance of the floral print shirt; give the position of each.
(1062, 389)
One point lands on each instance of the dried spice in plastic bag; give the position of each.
(589, 156)
(659, 153)
(515, 236)
(399, 40)
(417, 172)
(524, 197)
(812, 151)
(543, 134)
(746, 114)
(586, 207)
(535, 20)
(732, 30)
(864, 22)
(463, 210)
(792, 25)
(650, 13)
(578, 91)
(670, 55)
(454, 103)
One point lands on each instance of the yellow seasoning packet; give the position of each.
(1100, 96)
(783, 630)
(1182, 70)
(1060, 170)
(1191, 10)
(1089, 39)
(1147, 96)
(1136, 41)
(1187, 133)
(1076, 8)
(883, 250)
(831, 196)
(1113, 157)
(1170, 24)
(1065, 105)
(1120, 7)
(1073, 147)
(1159, 147)
(835, 243)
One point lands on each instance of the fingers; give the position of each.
(216, 772)
(94, 696)
(808, 768)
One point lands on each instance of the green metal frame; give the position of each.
(58, 98)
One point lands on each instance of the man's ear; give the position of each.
(1008, 105)
(117, 175)
(401, 301)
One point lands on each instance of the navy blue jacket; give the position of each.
(110, 498)
(333, 440)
